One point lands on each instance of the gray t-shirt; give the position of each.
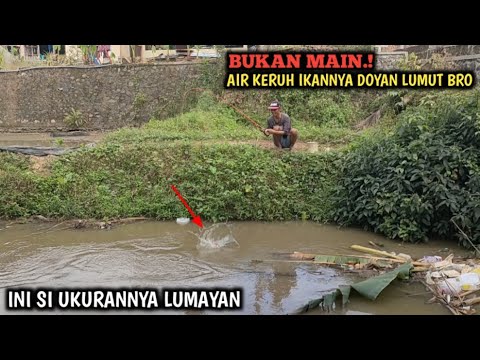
(284, 122)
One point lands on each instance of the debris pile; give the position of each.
(455, 283)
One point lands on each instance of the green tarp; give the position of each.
(369, 288)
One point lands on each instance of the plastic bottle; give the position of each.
(469, 281)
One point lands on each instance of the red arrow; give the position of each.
(196, 219)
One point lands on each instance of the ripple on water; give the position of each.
(217, 236)
(142, 262)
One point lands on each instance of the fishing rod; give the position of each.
(253, 122)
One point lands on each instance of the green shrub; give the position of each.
(220, 182)
(412, 184)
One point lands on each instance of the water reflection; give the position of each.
(163, 254)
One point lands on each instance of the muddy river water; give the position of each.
(244, 255)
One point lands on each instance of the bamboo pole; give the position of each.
(420, 269)
(304, 256)
(469, 292)
(472, 301)
(376, 252)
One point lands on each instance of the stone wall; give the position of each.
(427, 51)
(108, 97)
(465, 57)
(448, 57)
(452, 57)
(389, 60)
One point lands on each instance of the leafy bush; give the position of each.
(10, 161)
(412, 184)
(18, 188)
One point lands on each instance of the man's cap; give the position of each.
(274, 105)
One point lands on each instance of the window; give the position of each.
(32, 51)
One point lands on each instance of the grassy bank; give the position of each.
(212, 120)
(221, 182)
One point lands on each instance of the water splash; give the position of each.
(216, 236)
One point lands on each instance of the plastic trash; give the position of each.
(183, 221)
(469, 281)
(450, 286)
(450, 273)
(464, 282)
(431, 259)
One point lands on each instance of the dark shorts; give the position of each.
(285, 141)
